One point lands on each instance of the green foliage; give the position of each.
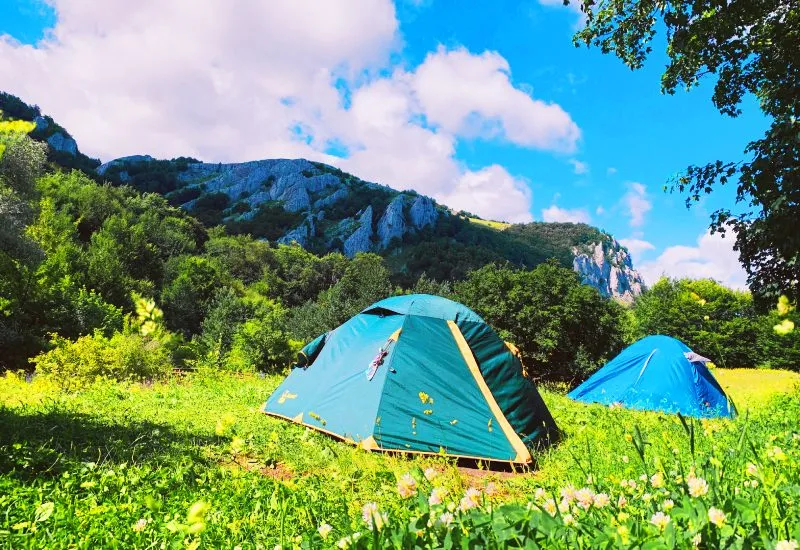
(209, 208)
(189, 287)
(361, 194)
(124, 356)
(262, 342)
(365, 281)
(715, 321)
(150, 176)
(562, 328)
(748, 48)
(14, 108)
(270, 221)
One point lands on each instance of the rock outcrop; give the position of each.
(360, 240)
(423, 212)
(393, 222)
(607, 266)
(132, 159)
(64, 143)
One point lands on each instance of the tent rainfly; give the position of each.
(442, 382)
(658, 373)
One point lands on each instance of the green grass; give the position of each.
(500, 226)
(118, 454)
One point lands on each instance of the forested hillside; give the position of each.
(102, 279)
(326, 210)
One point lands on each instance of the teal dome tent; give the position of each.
(418, 374)
(658, 373)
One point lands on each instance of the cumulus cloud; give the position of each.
(473, 95)
(285, 78)
(579, 167)
(610, 171)
(492, 193)
(713, 257)
(636, 203)
(636, 246)
(556, 214)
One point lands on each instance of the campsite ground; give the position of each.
(124, 462)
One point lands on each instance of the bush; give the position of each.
(73, 364)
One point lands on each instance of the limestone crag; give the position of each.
(61, 142)
(423, 212)
(300, 234)
(607, 266)
(331, 199)
(393, 223)
(361, 239)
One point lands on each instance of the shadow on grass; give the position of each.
(36, 443)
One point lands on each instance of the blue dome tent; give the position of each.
(658, 373)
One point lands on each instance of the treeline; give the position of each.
(104, 280)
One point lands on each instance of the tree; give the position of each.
(563, 329)
(190, 285)
(365, 281)
(715, 321)
(21, 162)
(751, 47)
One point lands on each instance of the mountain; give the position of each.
(62, 148)
(325, 209)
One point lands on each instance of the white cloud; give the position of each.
(203, 80)
(600, 211)
(492, 193)
(636, 203)
(473, 95)
(610, 171)
(579, 167)
(713, 257)
(636, 246)
(556, 214)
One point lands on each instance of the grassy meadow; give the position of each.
(193, 463)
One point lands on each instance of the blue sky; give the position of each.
(393, 92)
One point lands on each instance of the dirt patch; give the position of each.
(279, 471)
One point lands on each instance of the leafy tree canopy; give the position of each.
(751, 47)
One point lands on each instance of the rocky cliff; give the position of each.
(607, 266)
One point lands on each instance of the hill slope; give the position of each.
(324, 209)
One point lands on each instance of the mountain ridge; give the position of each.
(324, 209)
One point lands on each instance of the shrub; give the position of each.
(73, 364)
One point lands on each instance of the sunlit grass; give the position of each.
(500, 226)
(204, 438)
(751, 388)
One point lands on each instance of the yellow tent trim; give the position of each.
(369, 444)
(384, 449)
(395, 335)
(523, 455)
(298, 418)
